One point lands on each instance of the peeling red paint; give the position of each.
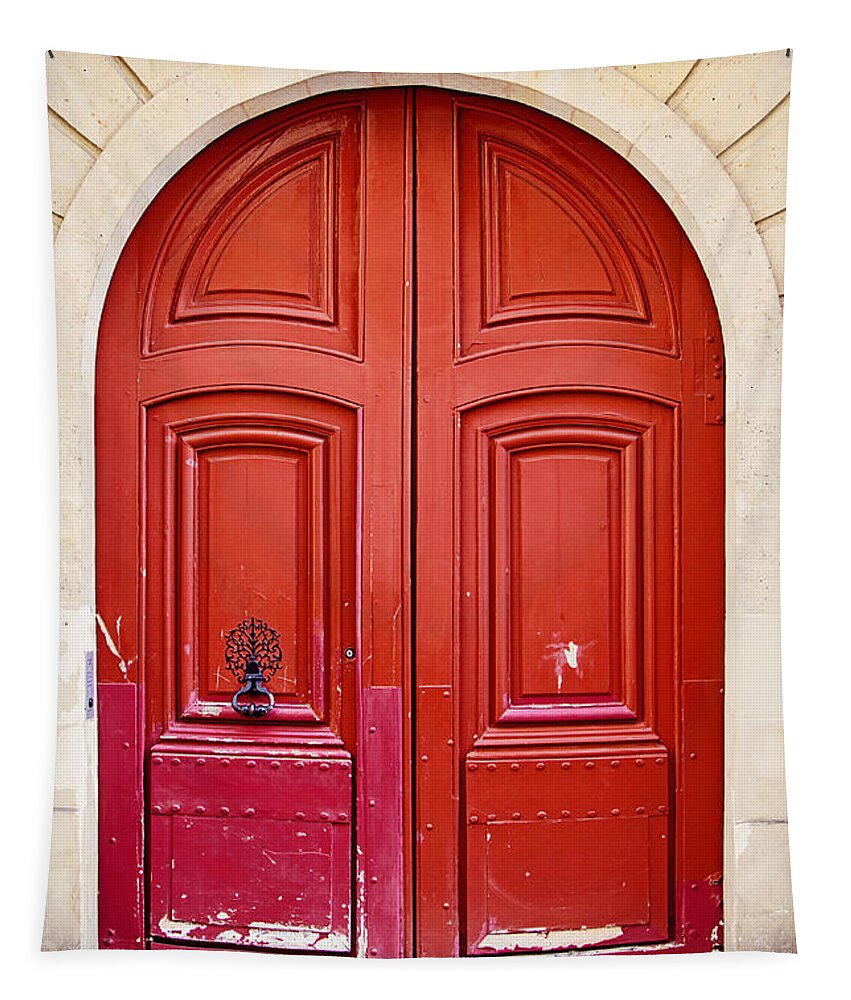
(252, 850)
(701, 914)
(120, 798)
(380, 867)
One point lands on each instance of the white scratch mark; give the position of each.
(290, 682)
(122, 666)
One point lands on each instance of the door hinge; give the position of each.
(709, 375)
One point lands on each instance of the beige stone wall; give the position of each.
(710, 135)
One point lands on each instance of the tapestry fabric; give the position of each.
(416, 437)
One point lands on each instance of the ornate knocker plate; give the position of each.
(253, 656)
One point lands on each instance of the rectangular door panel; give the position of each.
(561, 541)
(561, 884)
(261, 545)
(560, 521)
(251, 551)
(251, 520)
(254, 526)
(251, 850)
(566, 550)
(565, 542)
(566, 852)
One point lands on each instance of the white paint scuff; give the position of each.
(110, 642)
(541, 939)
(297, 938)
(289, 938)
(208, 708)
(564, 655)
(360, 879)
(178, 928)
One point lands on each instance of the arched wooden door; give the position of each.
(408, 411)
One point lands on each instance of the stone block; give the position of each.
(157, 74)
(757, 164)
(722, 99)
(773, 233)
(69, 164)
(90, 93)
(661, 79)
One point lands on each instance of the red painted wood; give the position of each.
(269, 429)
(250, 461)
(380, 868)
(121, 869)
(252, 850)
(271, 235)
(437, 821)
(553, 232)
(558, 846)
(565, 541)
(272, 535)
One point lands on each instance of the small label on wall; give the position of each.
(90, 684)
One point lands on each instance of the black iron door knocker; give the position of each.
(253, 656)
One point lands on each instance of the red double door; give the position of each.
(409, 412)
